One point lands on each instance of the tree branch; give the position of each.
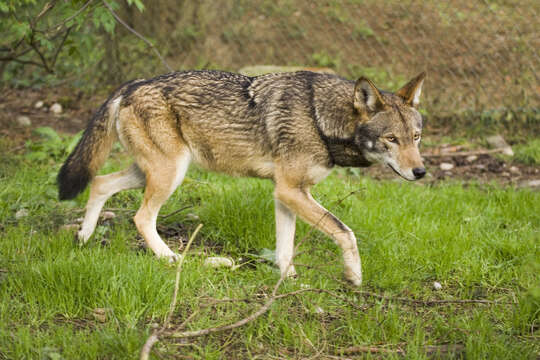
(145, 352)
(53, 62)
(137, 34)
(63, 22)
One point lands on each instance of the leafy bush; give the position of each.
(45, 42)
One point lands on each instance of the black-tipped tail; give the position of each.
(72, 179)
(90, 153)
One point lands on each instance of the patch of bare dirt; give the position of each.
(14, 103)
(485, 168)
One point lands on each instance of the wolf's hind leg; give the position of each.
(162, 178)
(285, 228)
(101, 189)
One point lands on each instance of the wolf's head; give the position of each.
(390, 126)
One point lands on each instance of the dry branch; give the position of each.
(428, 349)
(147, 347)
(430, 302)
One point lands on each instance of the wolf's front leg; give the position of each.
(285, 228)
(302, 203)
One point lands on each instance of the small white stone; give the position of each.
(319, 310)
(481, 167)
(514, 170)
(191, 216)
(437, 285)
(21, 213)
(24, 120)
(446, 166)
(39, 104)
(107, 215)
(56, 108)
(534, 183)
(498, 142)
(79, 220)
(217, 261)
(471, 158)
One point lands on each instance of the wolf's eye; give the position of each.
(391, 139)
(416, 136)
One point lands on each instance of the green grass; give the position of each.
(528, 153)
(479, 242)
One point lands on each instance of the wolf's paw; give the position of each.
(173, 257)
(81, 237)
(354, 277)
(291, 273)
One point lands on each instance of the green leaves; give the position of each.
(51, 147)
(44, 43)
(102, 18)
(138, 3)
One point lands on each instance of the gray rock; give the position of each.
(21, 213)
(217, 261)
(498, 142)
(533, 183)
(446, 166)
(107, 215)
(471, 158)
(24, 120)
(56, 109)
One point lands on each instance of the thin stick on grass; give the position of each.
(434, 302)
(428, 349)
(147, 347)
(431, 302)
(264, 308)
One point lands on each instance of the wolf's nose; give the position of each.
(419, 172)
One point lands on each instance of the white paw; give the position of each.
(172, 257)
(289, 272)
(354, 277)
(83, 236)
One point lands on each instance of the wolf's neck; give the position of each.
(344, 152)
(335, 121)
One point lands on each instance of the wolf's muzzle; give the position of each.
(419, 172)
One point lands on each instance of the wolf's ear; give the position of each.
(411, 91)
(367, 96)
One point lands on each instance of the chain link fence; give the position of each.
(479, 55)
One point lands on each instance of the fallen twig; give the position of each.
(176, 211)
(369, 349)
(292, 293)
(145, 352)
(428, 349)
(147, 347)
(431, 302)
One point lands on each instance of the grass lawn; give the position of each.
(101, 301)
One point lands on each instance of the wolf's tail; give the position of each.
(91, 151)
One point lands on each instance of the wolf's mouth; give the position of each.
(397, 172)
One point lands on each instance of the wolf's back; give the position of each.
(90, 153)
